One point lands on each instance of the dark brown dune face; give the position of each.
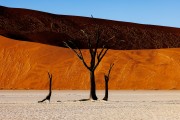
(53, 29)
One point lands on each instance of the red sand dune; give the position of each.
(35, 26)
(24, 65)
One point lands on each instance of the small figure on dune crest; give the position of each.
(48, 97)
(106, 78)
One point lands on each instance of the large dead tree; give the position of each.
(106, 79)
(95, 58)
(48, 97)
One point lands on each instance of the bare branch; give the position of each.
(110, 69)
(85, 34)
(85, 64)
(89, 41)
(100, 56)
(79, 54)
(102, 50)
(90, 48)
(103, 54)
(49, 75)
(98, 34)
(110, 38)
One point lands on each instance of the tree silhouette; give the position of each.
(95, 58)
(106, 78)
(48, 97)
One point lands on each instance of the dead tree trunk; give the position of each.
(93, 86)
(95, 59)
(48, 97)
(106, 78)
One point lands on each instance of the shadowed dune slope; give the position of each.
(36, 26)
(24, 65)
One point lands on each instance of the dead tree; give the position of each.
(95, 58)
(106, 78)
(48, 97)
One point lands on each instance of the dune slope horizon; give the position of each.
(144, 56)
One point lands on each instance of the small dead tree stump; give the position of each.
(106, 78)
(48, 97)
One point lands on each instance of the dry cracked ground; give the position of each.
(125, 105)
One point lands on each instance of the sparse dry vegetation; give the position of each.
(95, 57)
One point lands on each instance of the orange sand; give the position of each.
(24, 65)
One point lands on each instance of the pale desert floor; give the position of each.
(122, 105)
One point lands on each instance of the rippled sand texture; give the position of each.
(24, 65)
(122, 105)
